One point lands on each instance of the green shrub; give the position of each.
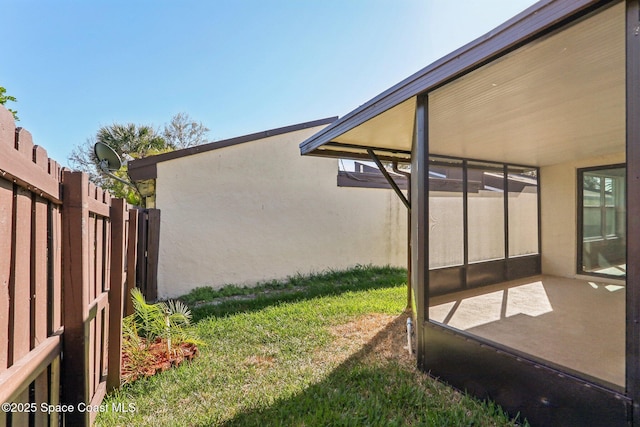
(164, 324)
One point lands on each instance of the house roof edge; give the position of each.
(146, 168)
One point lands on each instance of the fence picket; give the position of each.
(153, 253)
(6, 214)
(40, 157)
(132, 256)
(24, 142)
(7, 129)
(39, 226)
(39, 330)
(55, 268)
(21, 277)
(19, 290)
(6, 208)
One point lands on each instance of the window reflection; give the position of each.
(523, 212)
(603, 225)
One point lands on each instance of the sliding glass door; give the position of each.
(602, 227)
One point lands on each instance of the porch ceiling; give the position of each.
(554, 100)
(558, 98)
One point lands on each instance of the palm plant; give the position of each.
(168, 321)
(136, 354)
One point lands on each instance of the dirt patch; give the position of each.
(260, 362)
(373, 337)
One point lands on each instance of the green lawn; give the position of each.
(314, 351)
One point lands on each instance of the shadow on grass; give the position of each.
(299, 288)
(376, 386)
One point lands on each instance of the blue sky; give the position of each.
(238, 66)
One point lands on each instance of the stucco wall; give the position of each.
(259, 211)
(558, 203)
(486, 225)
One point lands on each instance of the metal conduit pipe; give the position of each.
(409, 332)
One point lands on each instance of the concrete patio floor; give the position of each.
(577, 324)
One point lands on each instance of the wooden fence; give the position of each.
(67, 261)
(148, 248)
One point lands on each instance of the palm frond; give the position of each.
(149, 318)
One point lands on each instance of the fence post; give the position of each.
(118, 265)
(75, 380)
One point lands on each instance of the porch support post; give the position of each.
(408, 176)
(420, 221)
(633, 204)
(389, 179)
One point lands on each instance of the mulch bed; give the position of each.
(156, 359)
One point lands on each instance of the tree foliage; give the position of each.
(130, 141)
(133, 141)
(4, 98)
(184, 132)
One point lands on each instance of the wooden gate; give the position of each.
(148, 245)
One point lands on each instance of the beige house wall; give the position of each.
(558, 203)
(259, 211)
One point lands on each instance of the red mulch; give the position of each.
(156, 360)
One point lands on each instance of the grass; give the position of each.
(327, 351)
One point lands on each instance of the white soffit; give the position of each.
(392, 129)
(557, 99)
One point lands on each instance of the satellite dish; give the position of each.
(109, 159)
(109, 162)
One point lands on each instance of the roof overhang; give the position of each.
(544, 87)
